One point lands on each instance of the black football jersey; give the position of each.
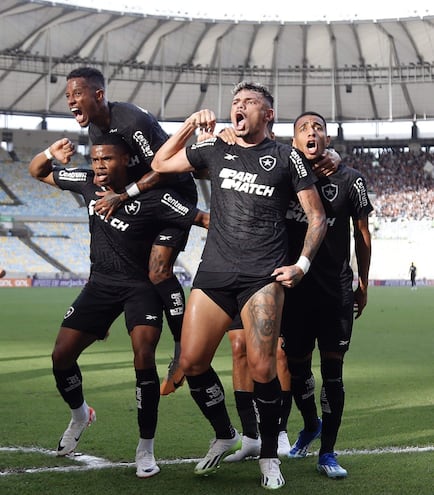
(250, 192)
(120, 246)
(344, 196)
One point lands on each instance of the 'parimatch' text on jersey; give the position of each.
(250, 192)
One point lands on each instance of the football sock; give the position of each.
(285, 409)
(303, 391)
(208, 393)
(332, 402)
(268, 399)
(246, 412)
(69, 384)
(148, 399)
(173, 297)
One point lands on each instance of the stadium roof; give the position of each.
(173, 65)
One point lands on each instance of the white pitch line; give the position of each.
(88, 462)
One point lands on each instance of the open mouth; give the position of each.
(78, 114)
(240, 121)
(311, 146)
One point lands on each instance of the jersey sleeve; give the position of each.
(301, 170)
(198, 153)
(147, 134)
(72, 179)
(360, 203)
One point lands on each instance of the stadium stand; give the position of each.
(45, 231)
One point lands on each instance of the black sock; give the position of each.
(247, 413)
(268, 399)
(208, 393)
(173, 297)
(303, 392)
(286, 409)
(148, 399)
(69, 384)
(332, 403)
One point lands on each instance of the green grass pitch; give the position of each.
(386, 440)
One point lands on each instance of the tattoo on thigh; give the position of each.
(264, 317)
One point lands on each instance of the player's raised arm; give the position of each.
(41, 165)
(171, 157)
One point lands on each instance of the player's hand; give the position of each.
(328, 164)
(62, 150)
(360, 301)
(228, 135)
(108, 203)
(288, 276)
(205, 120)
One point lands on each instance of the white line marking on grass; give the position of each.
(88, 462)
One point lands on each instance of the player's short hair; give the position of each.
(254, 86)
(112, 139)
(93, 76)
(311, 113)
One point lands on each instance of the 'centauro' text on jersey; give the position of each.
(120, 246)
(250, 192)
(344, 196)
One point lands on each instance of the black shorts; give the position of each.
(230, 291)
(98, 305)
(309, 317)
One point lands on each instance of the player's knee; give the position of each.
(158, 274)
(331, 369)
(239, 349)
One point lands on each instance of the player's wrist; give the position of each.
(303, 263)
(48, 154)
(132, 190)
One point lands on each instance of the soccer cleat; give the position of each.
(250, 448)
(72, 434)
(271, 478)
(145, 464)
(219, 449)
(328, 465)
(283, 447)
(304, 440)
(175, 378)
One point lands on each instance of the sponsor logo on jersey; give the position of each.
(174, 204)
(202, 144)
(362, 193)
(145, 147)
(298, 163)
(69, 312)
(244, 182)
(132, 208)
(72, 175)
(330, 192)
(267, 162)
(114, 222)
(230, 157)
(296, 213)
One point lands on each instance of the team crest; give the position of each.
(330, 192)
(267, 162)
(132, 208)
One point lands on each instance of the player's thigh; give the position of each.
(165, 249)
(204, 326)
